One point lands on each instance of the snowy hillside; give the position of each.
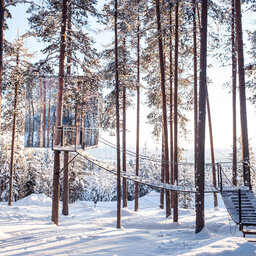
(26, 229)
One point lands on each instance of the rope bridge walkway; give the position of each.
(139, 179)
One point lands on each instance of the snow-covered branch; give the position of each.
(14, 2)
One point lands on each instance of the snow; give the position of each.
(26, 229)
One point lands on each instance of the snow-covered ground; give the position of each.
(26, 229)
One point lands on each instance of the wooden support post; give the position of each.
(240, 209)
(65, 194)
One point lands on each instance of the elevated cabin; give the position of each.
(80, 114)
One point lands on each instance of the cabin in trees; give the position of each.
(80, 114)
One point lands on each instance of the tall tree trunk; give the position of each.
(28, 143)
(117, 126)
(44, 114)
(136, 201)
(175, 155)
(162, 175)
(41, 115)
(171, 102)
(242, 94)
(65, 197)
(78, 111)
(195, 78)
(124, 138)
(56, 168)
(1, 52)
(165, 128)
(214, 182)
(13, 136)
(65, 194)
(48, 119)
(200, 160)
(33, 120)
(234, 71)
(83, 114)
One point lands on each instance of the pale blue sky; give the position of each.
(220, 100)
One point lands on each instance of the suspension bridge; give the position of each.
(239, 201)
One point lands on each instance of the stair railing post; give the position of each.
(240, 209)
(221, 184)
(218, 173)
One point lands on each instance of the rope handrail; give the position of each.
(226, 176)
(142, 180)
(131, 153)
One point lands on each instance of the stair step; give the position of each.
(251, 240)
(249, 231)
(245, 206)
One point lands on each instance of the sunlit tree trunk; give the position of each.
(33, 120)
(214, 182)
(162, 175)
(234, 85)
(171, 100)
(56, 168)
(44, 113)
(13, 134)
(242, 94)
(124, 139)
(195, 78)
(200, 160)
(117, 125)
(136, 205)
(48, 118)
(175, 115)
(65, 194)
(41, 115)
(165, 128)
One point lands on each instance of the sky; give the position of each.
(220, 99)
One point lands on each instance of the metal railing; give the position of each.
(70, 138)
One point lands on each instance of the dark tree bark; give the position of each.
(56, 168)
(165, 128)
(136, 201)
(175, 155)
(117, 126)
(1, 52)
(171, 101)
(200, 160)
(124, 139)
(234, 85)
(214, 182)
(44, 114)
(78, 111)
(29, 122)
(65, 197)
(33, 121)
(242, 94)
(41, 115)
(48, 119)
(195, 78)
(13, 136)
(65, 194)
(162, 175)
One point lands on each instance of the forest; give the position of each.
(157, 57)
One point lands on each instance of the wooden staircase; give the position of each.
(241, 206)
